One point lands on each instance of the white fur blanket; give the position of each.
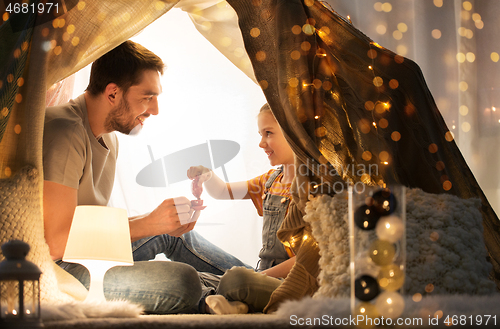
(464, 311)
(444, 238)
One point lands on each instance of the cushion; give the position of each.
(444, 245)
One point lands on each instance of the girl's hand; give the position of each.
(204, 173)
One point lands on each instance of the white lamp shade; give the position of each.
(99, 233)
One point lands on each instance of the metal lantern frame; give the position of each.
(16, 273)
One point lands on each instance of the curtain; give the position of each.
(455, 44)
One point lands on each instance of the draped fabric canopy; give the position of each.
(352, 110)
(344, 101)
(38, 52)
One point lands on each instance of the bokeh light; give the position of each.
(402, 50)
(255, 32)
(436, 34)
(467, 5)
(395, 136)
(471, 57)
(464, 110)
(381, 29)
(397, 35)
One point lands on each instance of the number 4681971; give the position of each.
(463, 320)
(25, 8)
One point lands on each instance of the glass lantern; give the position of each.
(19, 288)
(377, 226)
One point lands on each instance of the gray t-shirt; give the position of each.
(73, 157)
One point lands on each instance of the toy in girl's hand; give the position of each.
(197, 189)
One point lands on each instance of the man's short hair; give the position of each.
(123, 66)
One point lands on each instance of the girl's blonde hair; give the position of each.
(265, 108)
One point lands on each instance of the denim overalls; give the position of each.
(274, 209)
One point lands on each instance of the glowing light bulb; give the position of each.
(382, 252)
(390, 304)
(389, 228)
(367, 310)
(391, 277)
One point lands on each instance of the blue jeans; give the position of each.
(160, 287)
(191, 248)
(163, 287)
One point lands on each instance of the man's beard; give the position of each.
(120, 119)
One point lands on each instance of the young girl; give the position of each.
(270, 194)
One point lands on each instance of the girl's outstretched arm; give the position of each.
(216, 187)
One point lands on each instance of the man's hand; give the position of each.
(184, 228)
(173, 217)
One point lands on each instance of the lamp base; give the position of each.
(97, 269)
(96, 289)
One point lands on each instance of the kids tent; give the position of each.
(342, 100)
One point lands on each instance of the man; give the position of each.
(79, 158)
